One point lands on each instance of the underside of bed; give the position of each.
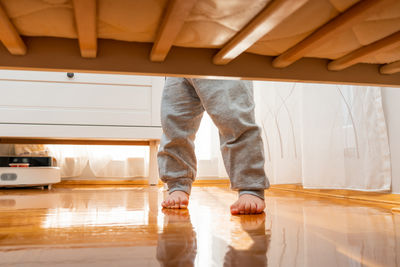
(329, 41)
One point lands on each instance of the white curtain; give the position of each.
(71, 159)
(277, 113)
(132, 161)
(209, 159)
(118, 161)
(103, 161)
(324, 136)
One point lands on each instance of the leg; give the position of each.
(181, 113)
(230, 105)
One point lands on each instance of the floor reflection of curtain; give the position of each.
(323, 232)
(287, 247)
(345, 238)
(324, 136)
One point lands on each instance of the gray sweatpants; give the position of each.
(230, 105)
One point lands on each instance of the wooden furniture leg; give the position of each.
(153, 167)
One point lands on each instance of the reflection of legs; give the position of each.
(181, 113)
(256, 255)
(177, 243)
(230, 105)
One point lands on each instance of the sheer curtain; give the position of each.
(71, 159)
(103, 161)
(132, 161)
(209, 159)
(277, 113)
(324, 136)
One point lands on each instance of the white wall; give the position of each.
(391, 106)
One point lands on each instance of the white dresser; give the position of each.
(50, 105)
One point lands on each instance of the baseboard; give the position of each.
(205, 182)
(104, 182)
(143, 182)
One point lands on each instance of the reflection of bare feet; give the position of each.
(176, 200)
(252, 222)
(248, 204)
(176, 215)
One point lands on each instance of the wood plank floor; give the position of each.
(124, 226)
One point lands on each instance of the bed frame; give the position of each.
(231, 60)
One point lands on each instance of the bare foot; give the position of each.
(176, 200)
(248, 204)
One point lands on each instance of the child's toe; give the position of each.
(181, 203)
(234, 209)
(260, 208)
(241, 208)
(253, 208)
(185, 202)
(176, 204)
(171, 203)
(247, 208)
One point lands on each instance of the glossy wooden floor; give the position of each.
(124, 226)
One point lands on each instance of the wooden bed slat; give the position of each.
(385, 44)
(10, 36)
(267, 20)
(85, 19)
(172, 23)
(390, 68)
(355, 14)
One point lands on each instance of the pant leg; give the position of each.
(181, 113)
(230, 105)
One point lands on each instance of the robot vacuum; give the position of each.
(28, 172)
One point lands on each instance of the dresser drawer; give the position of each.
(119, 102)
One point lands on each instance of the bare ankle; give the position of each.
(176, 191)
